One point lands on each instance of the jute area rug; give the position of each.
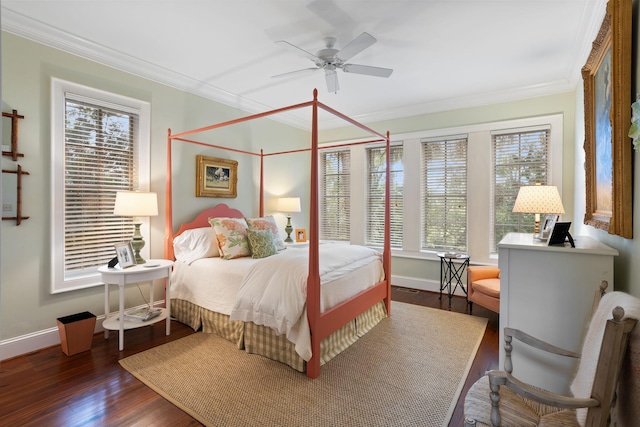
(407, 371)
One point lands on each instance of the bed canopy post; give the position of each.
(386, 252)
(261, 182)
(313, 281)
(168, 216)
(321, 325)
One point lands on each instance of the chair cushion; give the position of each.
(514, 409)
(559, 419)
(489, 287)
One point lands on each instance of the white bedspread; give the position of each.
(273, 292)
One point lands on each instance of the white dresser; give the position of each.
(547, 291)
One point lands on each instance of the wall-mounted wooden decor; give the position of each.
(13, 148)
(10, 197)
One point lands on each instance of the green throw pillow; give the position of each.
(262, 243)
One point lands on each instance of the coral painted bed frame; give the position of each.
(321, 324)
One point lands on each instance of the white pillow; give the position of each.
(194, 244)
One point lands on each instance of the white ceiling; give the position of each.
(445, 54)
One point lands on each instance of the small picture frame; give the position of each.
(301, 235)
(547, 225)
(560, 234)
(124, 252)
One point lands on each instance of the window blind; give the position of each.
(376, 183)
(519, 158)
(100, 159)
(335, 181)
(444, 189)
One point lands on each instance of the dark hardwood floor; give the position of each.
(48, 388)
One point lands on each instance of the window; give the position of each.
(335, 181)
(519, 158)
(100, 146)
(377, 166)
(447, 196)
(444, 194)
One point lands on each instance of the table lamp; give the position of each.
(538, 199)
(288, 205)
(136, 204)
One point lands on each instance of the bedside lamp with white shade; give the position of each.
(538, 199)
(136, 204)
(289, 205)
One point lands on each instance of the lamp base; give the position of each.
(536, 225)
(138, 243)
(288, 229)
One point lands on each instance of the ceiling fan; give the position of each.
(330, 59)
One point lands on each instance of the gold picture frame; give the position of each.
(607, 103)
(216, 177)
(301, 235)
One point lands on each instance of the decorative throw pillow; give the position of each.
(194, 244)
(267, 223)
(261, 243)
(231, 234)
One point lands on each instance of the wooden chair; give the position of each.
(499, 398)
(483, 287)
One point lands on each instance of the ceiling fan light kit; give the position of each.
(330, 59)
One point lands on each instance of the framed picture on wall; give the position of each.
(607, 114)
(216, 177)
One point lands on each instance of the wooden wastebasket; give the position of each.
(76, 332)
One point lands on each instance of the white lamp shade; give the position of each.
(136, 203)
(289, 204)
(538, 199)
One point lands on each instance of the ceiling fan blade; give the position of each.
(298, 50)
(293, 73)
(330, 12)
(331, 77)
(356, 46)
(366, 69)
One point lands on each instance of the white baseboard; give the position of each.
(421, 284)
(35, 341)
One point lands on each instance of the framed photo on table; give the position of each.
(124, 252)
(547, 225)
(301, 235)
(216, 177)
(560, 234)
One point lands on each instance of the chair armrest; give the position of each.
(510, 333)
(479, 272)
(501, 378)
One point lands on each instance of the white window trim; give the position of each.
(58, 90)
(479, 208)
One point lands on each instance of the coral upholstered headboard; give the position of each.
(202, 220)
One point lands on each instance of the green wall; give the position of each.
(26, 304)
(561, 103)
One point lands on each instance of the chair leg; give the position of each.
(470, 306)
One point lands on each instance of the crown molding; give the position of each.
(45, 34)
(469, 101)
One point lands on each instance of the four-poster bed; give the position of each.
(323, 322)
